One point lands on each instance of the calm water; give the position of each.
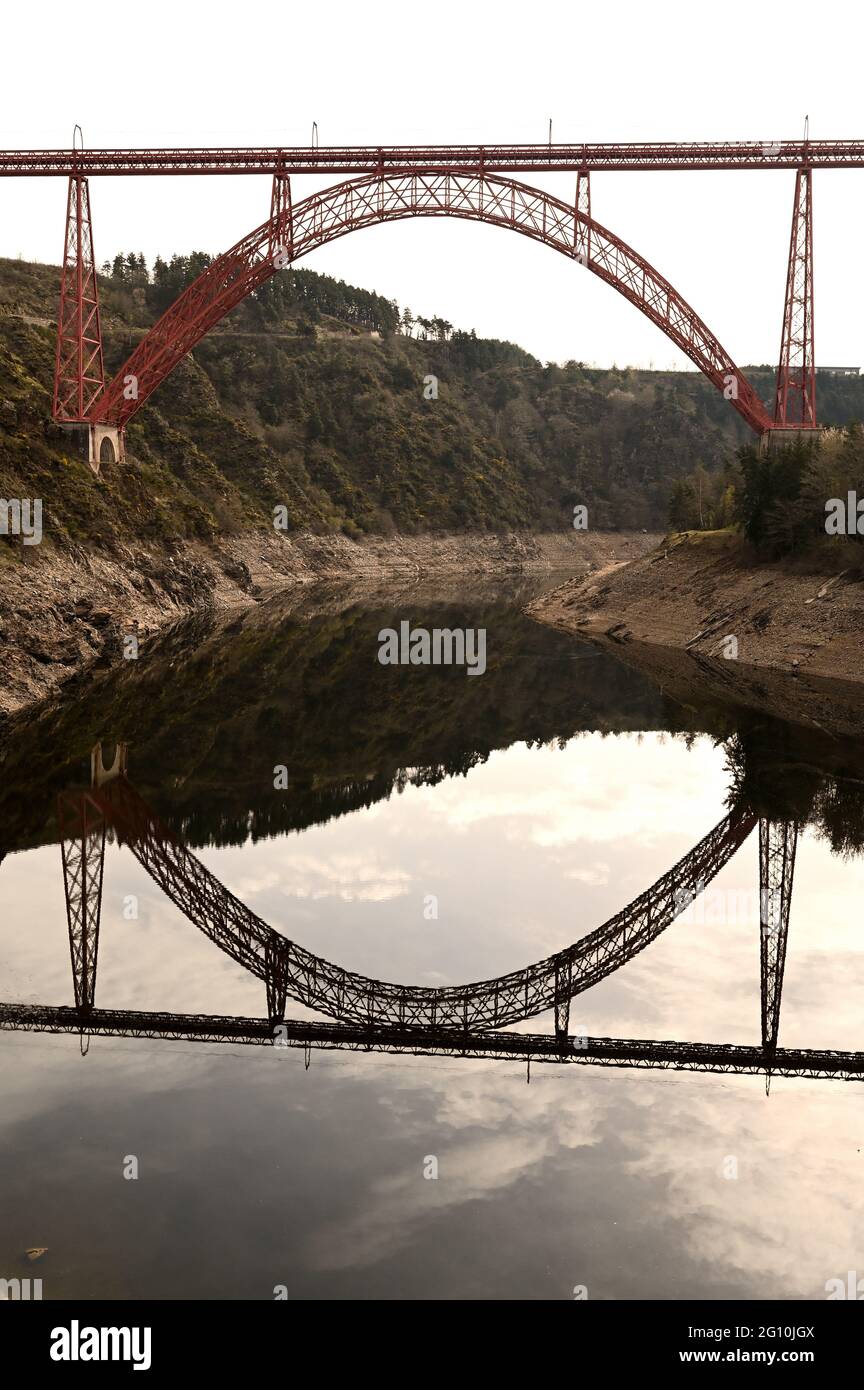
(531, 804)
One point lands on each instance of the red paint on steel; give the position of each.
(795, 403)
(79, 373)
(348, 206)
(393, 159)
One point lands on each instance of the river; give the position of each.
(418, 825)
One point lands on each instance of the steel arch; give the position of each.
(323, 217)
(291, 970)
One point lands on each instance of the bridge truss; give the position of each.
(289, 970)
(374, 1015)
(293, 231)
(503, 1046)
(777, 846)
(82, 845)
(390, 182)
(623, 157)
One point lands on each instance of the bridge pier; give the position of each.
(563, 986)
(99, 773)
(82, 845)
(562, 1019)
(779, 436)
(79, 372)
(97, 444)
(777, 844)
(795, 396)
(106, 445)
(582, 230)
(281, 238)
(276, 966)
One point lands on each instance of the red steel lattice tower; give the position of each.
(795, 402)
(583, 206)
(281, 220)
(79, 374)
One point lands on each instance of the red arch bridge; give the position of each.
(366, 1014)
(392, 183)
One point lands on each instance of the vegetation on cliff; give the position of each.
(315, 396)
(787, 501)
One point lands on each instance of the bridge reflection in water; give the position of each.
(366, 1014)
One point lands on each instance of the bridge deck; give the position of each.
(506, 1045)
(358, 159)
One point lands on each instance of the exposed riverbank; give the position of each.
(779, 637)
(62, 612)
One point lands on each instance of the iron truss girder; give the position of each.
(795, 399)
(344, 994)
(777, 845)
(79, 373)
(507, 1046)
(381, 198)
(395, 159)
(82, 846)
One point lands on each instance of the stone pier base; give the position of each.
(779, 438)
(106, 446)
(97, 444)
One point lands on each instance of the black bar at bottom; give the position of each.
(250, 1339)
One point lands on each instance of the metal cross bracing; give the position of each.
(343, 994)
(777, 844)
(79, 373)
(373, 1015)
(78, 394)
(280, 244)
(795, 400)
(82, 845)
(631, 156)
(506, 1046)
(583, 210)
(325, 216)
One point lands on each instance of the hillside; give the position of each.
(310, 397)
(322, 410)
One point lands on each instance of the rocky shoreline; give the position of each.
(60, 613)
(700, 617)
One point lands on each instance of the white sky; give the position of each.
(387, 73)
